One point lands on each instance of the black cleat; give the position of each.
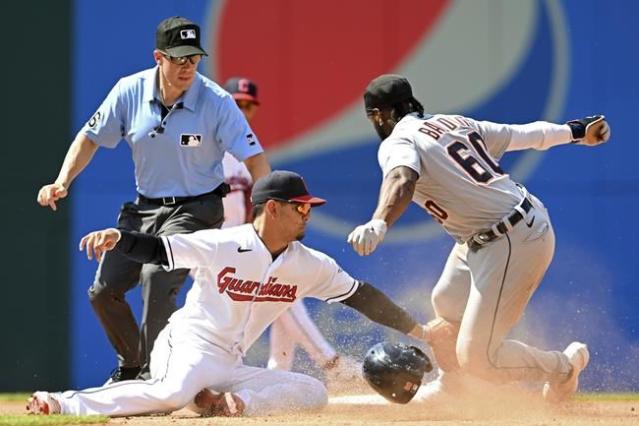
(144, 374)
(123, 373)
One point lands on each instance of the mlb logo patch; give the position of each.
(188, 34)
(190, 140)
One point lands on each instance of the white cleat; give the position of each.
(578, 356)
(43, 403)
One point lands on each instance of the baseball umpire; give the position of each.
(178, 125)
(247, 276)
(447, 164)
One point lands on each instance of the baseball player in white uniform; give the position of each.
(294, 327)
(447, 164)
(237, 204)
(246, 277)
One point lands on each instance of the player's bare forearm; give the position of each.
(78, 157)
(258, 166)
(395, 194)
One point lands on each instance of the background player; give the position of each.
(178, 125)
(505, 242)
(246, 277)
(294, 327)
(237, 204)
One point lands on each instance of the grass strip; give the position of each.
(606, 396)
(13, 397)
(27, 420)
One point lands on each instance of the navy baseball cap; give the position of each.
(283, 185)
(242, 89)
(177, 36)
(387, 90)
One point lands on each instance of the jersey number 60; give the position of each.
(481, 171)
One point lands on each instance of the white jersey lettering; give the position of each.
(239, 289)
(252, 291)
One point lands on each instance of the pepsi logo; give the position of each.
(502, 61)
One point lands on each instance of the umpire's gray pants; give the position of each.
(117, 274)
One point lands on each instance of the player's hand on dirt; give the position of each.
(366, 237)
(97, 243)
(591, 131)
(49, 194)
(442, 337)
(421, 332)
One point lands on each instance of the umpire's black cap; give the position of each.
(283, 185)
(177, 36)
(387, 90)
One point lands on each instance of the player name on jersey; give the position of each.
(253, 291)
(434, 131)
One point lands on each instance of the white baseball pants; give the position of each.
(295, 327)
(181, 366)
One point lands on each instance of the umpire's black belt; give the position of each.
(220, 191)
(484, 237)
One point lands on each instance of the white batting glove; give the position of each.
(366, 237)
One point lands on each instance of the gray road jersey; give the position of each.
(460, 183)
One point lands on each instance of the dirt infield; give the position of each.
(592, 410)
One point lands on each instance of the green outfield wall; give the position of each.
(35, 267)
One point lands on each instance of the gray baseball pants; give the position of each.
(117, 274)
(488, 290)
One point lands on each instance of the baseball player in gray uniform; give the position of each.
(447, 164)
(178, 125)
(246, 277)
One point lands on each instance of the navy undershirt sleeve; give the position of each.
(377, 307)
(143, 248)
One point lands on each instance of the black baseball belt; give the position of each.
(484, 237)
(220, 191)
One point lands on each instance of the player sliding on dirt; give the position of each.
(295, 327)
(246, 277)
(447, 165)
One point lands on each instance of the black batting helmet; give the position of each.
(395, 371)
